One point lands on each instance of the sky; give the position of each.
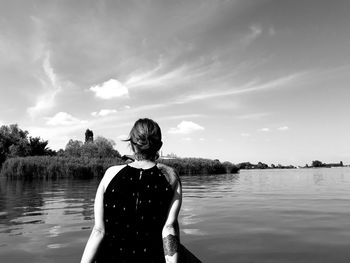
(230, 80)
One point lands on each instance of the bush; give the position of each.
(193, 166)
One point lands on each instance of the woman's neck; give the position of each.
(144, 164)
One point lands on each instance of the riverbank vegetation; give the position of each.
(22, 156)
(56, 167)
(193, 166)
(260, 165)
(319, 164)
(84, 167)
(15, 142)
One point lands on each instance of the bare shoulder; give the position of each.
(170, 173)
(110, 173)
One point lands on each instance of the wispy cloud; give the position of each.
(110, 89)
(138, 78)
(103, 112)
(283, 128)
(264, 129)
(52, 87)
(254, 32)
(63, 119)
(183, 116)
(253, 116)
(170, 72)
(245, 134)
(154, 78)
(249, 87)
(186, 127)
(272, 31)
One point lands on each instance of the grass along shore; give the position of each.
(83, 167)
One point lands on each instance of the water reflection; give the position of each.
(318, 178)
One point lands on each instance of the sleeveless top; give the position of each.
(136, 204)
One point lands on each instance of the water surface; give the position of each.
(299, 215)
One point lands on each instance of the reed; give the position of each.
(56, 167)
(84, 167)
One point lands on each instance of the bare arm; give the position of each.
(170, 233)
(98, 231)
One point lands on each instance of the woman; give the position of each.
(137, 205)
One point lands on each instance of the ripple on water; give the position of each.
(55, 246)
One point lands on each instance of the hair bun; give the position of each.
(146, 138)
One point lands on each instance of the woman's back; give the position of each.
(136, 204)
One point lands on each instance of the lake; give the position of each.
(300, 215)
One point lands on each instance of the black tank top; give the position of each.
(136, 204)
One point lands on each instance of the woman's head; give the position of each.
(146, 139)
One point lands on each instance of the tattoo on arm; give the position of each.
(170, 244)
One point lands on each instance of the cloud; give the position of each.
(151, 79)
(244, 134)
(249, 87)
(63, 118)
(254, 32)
(138, 79)
(283, 128)
(253, 116)
(182, 116)
(264, 129)
(171, 72)
(110, 89)
(46, 100)
(103, 112)
(186, 127)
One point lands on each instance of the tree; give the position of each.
(105, 147)
(99, 148)
(20, 149)
(89, 150)
(261, 165)
(13, 142)
(89, 136)
(73, 148)
(60, 152)
(38, 146)
(317, 163)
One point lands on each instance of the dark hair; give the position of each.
(146, 139)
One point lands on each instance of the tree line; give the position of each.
(319, 164)
(195, 166)
(24, 156)
(15, 142)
